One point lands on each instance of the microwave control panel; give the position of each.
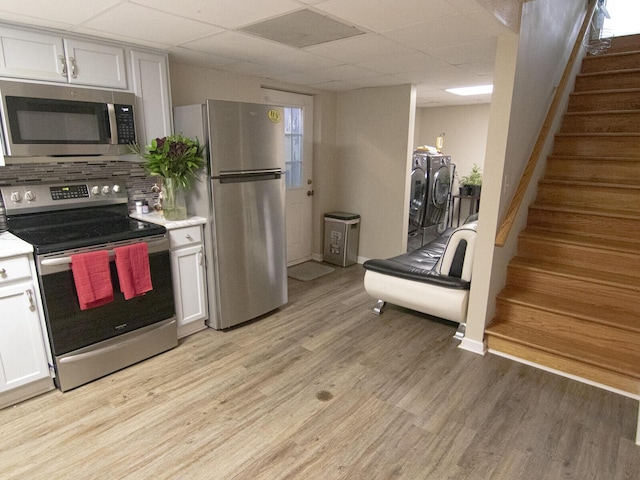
(126, 125)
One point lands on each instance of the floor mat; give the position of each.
(308, 271)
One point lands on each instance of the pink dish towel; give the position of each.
(92, 278)
(134, 274)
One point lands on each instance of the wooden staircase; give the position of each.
(572, 298)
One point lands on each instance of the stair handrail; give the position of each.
(516, 202)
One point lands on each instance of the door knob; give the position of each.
(310, 193)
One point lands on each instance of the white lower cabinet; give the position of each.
(189, 287)
(24, 367)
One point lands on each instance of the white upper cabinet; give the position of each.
(26, 54)
(95, 64)
(150, 78)
(47, 57)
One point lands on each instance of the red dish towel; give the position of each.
(132, 263)
(92, 277)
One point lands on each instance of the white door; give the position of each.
(299, 179)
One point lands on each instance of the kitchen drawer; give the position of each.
(181, 237)
(14, 268)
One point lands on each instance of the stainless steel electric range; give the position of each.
(66, 219)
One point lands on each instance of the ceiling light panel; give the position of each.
(302, 29)
(477, 90)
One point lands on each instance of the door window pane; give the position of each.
(293, 132)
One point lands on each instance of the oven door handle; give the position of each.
(64, 260)
(67, 259)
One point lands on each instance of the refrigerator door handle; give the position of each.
(237, 177)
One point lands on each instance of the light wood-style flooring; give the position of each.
(323, 389)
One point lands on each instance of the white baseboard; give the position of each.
(473, 346)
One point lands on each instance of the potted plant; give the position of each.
(176, 159)
(471, 184)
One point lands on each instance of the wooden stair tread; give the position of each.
(589, 183)
(590, 275)
(602, 112)
(610, 54)
(593, 157)
(608, 72)
(588, 210)
(606, 91)
(582, 240)
(597, 134)
(620, 361)
(618, 317)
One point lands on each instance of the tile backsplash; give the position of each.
(138, 182)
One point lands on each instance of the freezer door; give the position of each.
(245, 136)
(251, 247)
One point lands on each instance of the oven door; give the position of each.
(87, 344)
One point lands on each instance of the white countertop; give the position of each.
(158, 218)
(10, 245)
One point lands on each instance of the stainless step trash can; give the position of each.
(341, 237)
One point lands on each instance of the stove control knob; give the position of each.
(115, 188)
(95, 190)
(105, 189)
(15, 196)
(29, 196)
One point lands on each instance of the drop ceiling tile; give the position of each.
(480, 51)
(237, 45)
(254, 69)
(428, 75)
(382, 15)
(135, 21)
(299, 78)
(68, 12)
(119, 37)
(299, 60)
(228, 14)
(466, 6)
(433, 35)
(359, 49)
(183, 55)
(347, 72)
(381, 81)
(335, 86)
(404, 63)
(38, 22)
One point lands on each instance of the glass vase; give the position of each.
(174, 204)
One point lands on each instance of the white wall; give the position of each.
(465, 129)
(374, 142)
(548, 31)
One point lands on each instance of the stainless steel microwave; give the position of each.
(50, 120)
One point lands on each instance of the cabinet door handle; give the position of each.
(3, 272)
(63, 64)
(32, 304)
(74, 67)
(187, 236)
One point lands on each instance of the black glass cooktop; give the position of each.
(69, 229)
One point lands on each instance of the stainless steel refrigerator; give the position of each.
(241, 193)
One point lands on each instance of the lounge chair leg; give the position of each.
(462, 328)
(377, 310)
